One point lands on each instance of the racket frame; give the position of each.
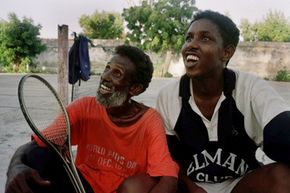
(68, 160)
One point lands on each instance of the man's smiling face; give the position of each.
(115, 82)
(203, 49)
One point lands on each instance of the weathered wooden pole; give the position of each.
(62, 71)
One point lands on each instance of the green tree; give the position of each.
(159, 25)
(247, 31)
(19, 42)
(102, 25)
(273, 28)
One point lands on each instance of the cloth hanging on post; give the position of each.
(79, 60)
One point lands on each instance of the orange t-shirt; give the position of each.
(107, 154)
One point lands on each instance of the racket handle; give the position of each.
(75, 179)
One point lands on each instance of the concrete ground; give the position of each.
(14, 130)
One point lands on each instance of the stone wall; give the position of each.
(261, 58)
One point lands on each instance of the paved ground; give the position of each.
(14, 131)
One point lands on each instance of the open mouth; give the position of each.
(104, 89)
(191, 60)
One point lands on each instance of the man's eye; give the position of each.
(117, 73)
(188, 38)
(205, 38)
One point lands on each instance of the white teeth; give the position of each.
(105, 88)
(192, 57)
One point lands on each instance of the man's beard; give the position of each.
(116, 99)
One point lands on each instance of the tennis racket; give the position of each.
(47, 117)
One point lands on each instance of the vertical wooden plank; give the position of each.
(62, 71)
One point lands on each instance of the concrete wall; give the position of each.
(261, 58)
(98, 56)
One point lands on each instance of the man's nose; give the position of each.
(106, 75)
(193, 43)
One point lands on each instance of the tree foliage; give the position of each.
(104, 25)
(159, 25)
(19, 42)
(273, 28)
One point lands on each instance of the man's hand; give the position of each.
(20, 179)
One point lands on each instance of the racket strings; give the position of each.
(56, 132)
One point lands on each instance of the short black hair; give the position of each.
(227, 28)
(142, 62)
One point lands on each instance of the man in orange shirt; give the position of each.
(121, 143)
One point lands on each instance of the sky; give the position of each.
(51, 13)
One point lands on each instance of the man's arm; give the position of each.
(276, 143)
(19, 173)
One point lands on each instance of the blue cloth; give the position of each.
(79, 60)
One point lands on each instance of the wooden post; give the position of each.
(62, 72)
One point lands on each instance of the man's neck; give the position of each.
(127, 114)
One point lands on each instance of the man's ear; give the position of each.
(136, 89)
(229, 51)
